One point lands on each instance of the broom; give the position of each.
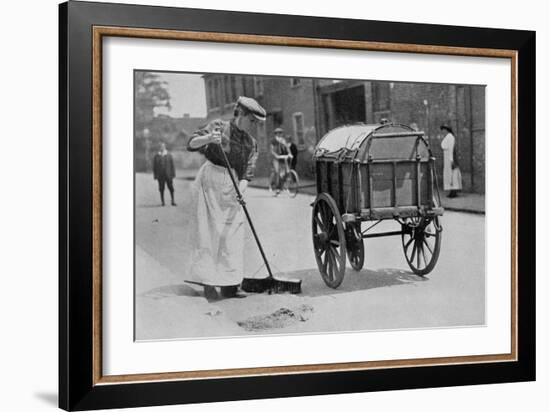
(271, 283)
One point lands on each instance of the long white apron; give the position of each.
(452, 178)
(216, 234)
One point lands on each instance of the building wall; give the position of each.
(426, 105)
(430, 106)
(282, 99)
(478, 137)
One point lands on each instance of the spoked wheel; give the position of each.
(329, 240)
(421, 243)
(354, 246)
(292, 183)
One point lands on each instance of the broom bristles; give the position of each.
(293, 286)
(271, 284)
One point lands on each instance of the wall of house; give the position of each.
(428, 106)
(282, 100)
(431, 105)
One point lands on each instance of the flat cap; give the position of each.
(252, 106)
(278, 130)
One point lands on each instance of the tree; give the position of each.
(150, 93)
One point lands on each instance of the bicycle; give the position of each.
(290, 180)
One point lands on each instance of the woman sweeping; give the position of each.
(452, 178)
(217, 227)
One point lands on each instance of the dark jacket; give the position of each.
(294, 153)
(163, 167)
(241, 149)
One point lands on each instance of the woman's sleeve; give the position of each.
(251, 163)
(204, 131)
(197, 133)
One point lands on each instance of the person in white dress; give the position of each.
(216, 231)
(452, 178)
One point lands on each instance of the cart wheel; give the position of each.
(355, 246)
(421, 243)
(329, 240)
(292, 183)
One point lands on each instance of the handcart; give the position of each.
(368, 173)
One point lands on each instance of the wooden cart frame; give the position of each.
(357, 184)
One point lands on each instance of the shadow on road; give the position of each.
(313, 285)
(170, 291)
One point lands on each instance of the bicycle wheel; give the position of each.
(292, 183)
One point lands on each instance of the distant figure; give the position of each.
(280, 152)
(452, 178)
(164, 172)
(294, 152)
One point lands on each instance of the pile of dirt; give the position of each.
(279, 319)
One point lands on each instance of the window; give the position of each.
(258, 86)
(211, 94)
(277, 118)
(381, 96)
(227, 84)
(233, 88)
(295, 81)
(261, 134)
(219, 92)
(246, 89)
(215, 93)
(299, 128)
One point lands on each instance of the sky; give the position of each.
(187, 94)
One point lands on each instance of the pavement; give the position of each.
(383, 295)
(465, 202)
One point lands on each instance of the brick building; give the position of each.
(289, 103)
(308, 108)
(426, 105)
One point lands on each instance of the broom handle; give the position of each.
(243, 204)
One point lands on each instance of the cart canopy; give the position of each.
(373, 141)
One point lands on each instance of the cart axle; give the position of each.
(394, 233)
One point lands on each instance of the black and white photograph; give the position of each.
(291, 205)
(274, 206)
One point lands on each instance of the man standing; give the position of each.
(280, 153)
(164, 172)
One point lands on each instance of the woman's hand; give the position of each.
(243, 185)
(216, 136)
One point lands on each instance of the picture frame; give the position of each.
(82, 28)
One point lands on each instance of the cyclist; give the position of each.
(280, 151)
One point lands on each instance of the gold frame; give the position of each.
(102, 31)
